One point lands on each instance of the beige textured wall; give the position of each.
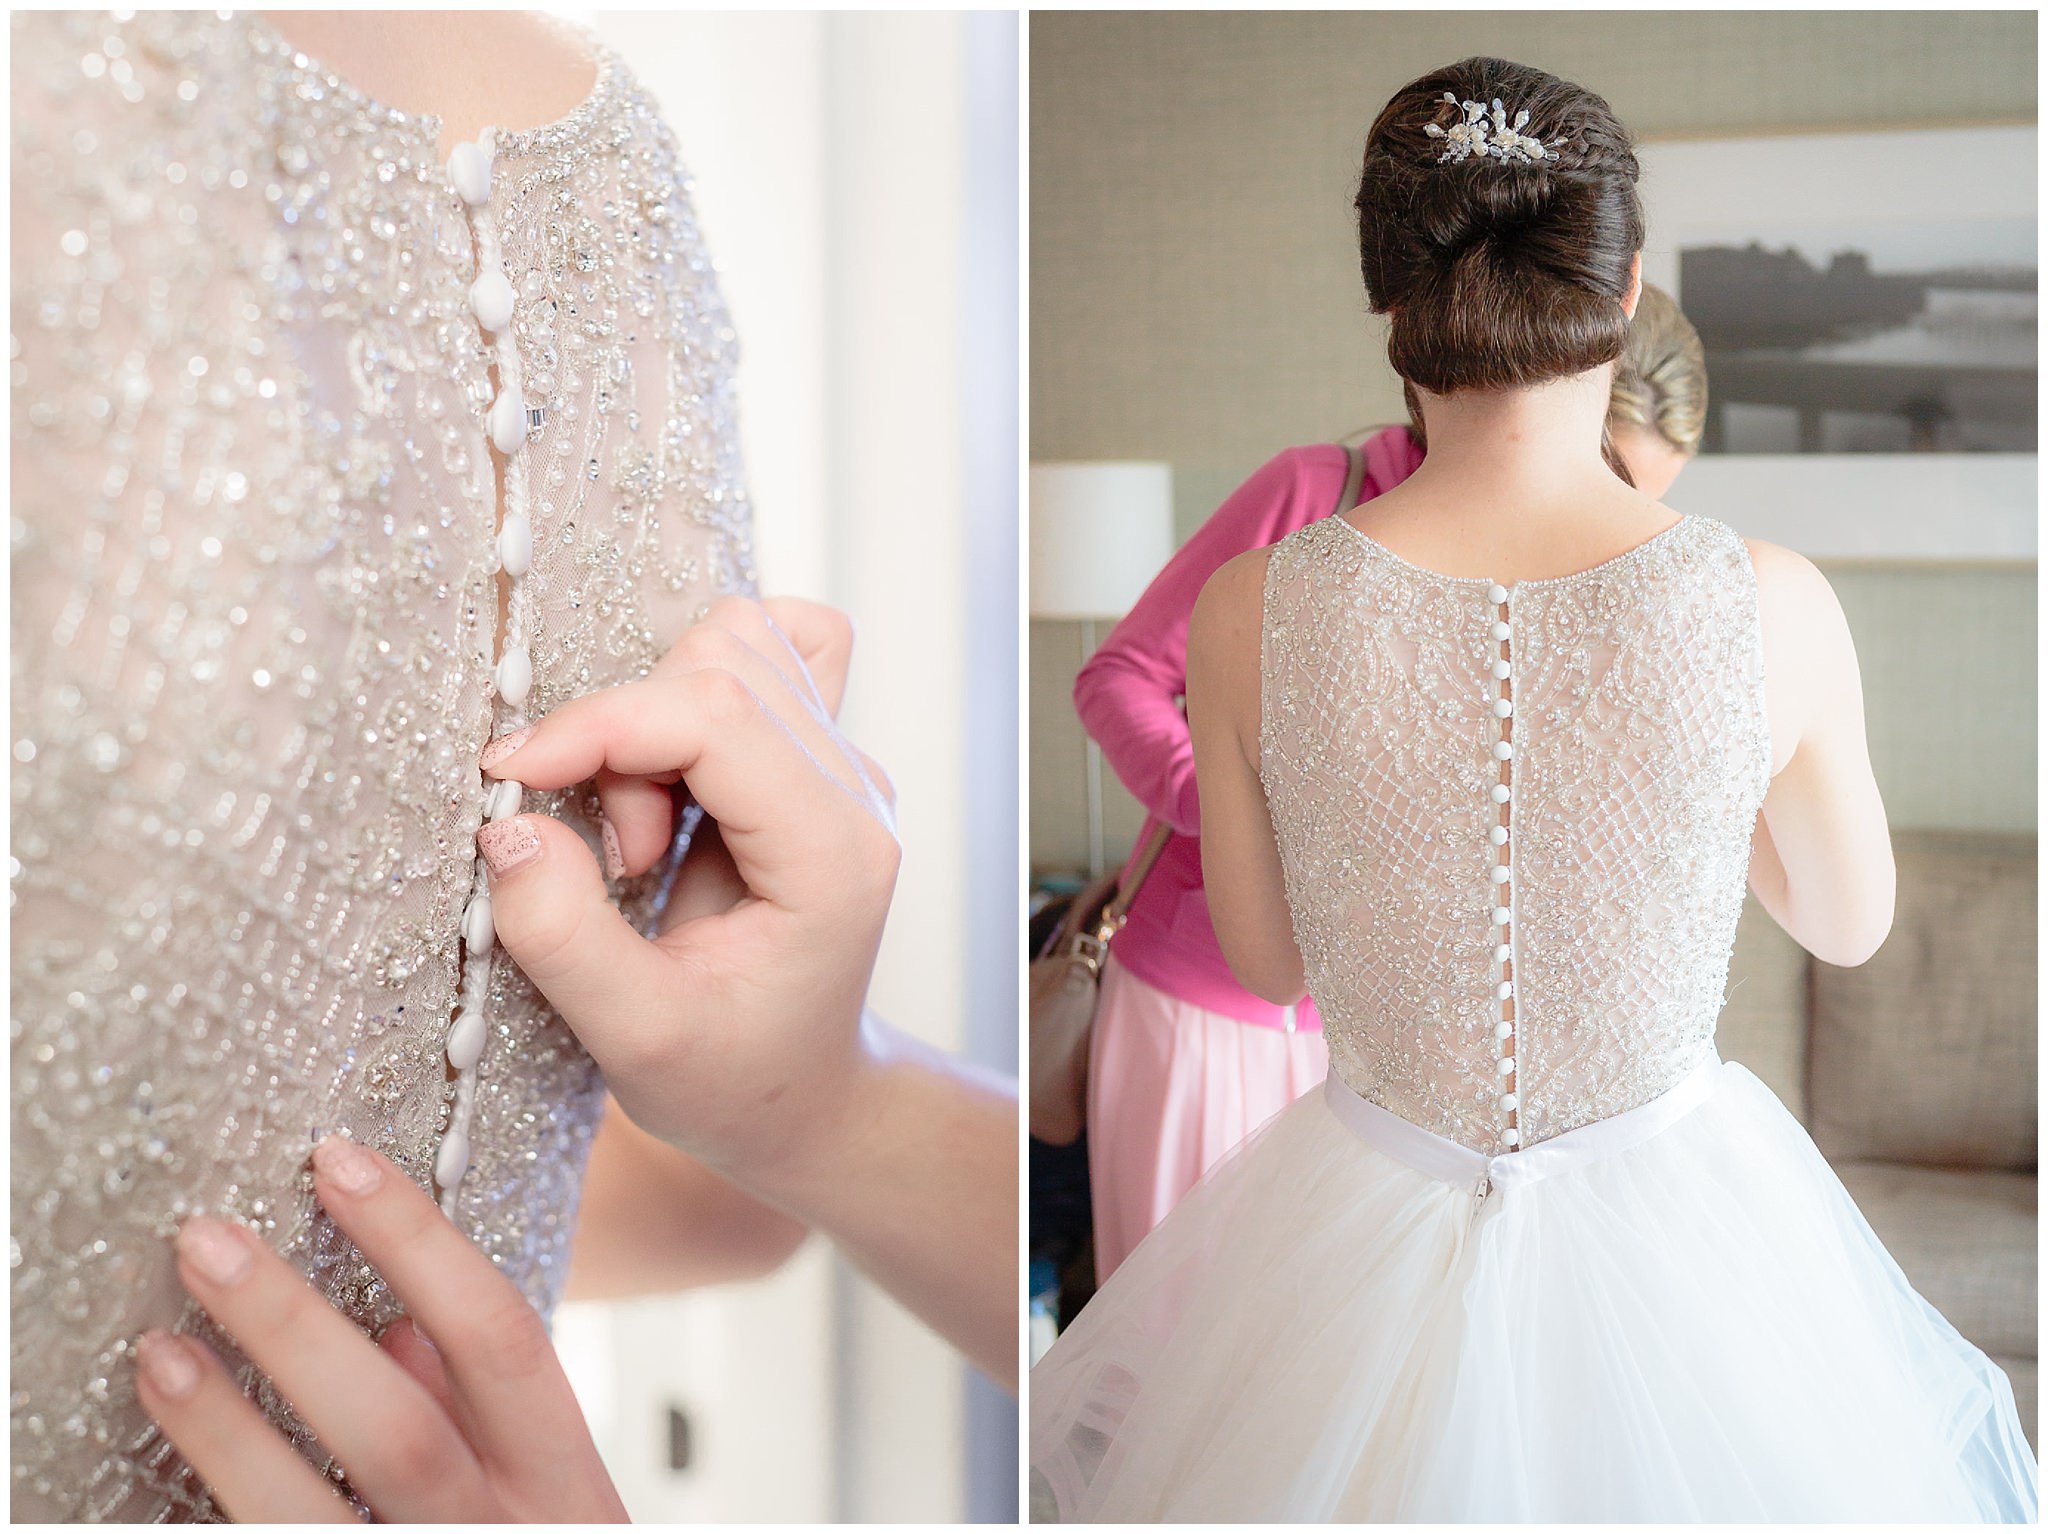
(1195, 296)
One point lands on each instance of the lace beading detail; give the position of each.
(1641, 758)
(254, 611)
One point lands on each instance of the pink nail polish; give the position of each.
(213, 1247)
(508, 845)
(167, 1364)
(347, 1165)
(504, 746)
(614, 859)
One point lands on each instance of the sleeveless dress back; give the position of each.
(1533, 1252)
(1634, 757)
(259, 550)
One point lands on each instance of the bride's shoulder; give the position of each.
(1233, 598)
(1784, 575)
(1225, 637)
(1805, 631)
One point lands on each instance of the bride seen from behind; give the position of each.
(1485, 766)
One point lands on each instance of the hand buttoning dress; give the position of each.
(269, 578)
(1533, 1252)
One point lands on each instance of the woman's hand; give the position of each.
(738, 1035)
(479, 1425)
(733, 1035)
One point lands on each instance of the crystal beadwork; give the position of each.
(259, 585)
(1641, 757)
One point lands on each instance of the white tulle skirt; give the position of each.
(1675, 1314)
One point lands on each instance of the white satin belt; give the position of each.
(1451, 1162)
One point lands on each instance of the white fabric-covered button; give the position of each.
(1500, 793)
(466, 1040)
(490, 300)
(1501, 915)
(477, 929)
(1496, 593)
(470, 169)
(1503, 1030)
(1500, 874)
(1501, 630)
(1499, 835)
(1502, 707)
(507, 421)
(503, 801)
(514, 676)
(1505, 989)
(452, 1160)
(1503, 953)
(1502, 751)
(1511, 1135)
(515, 543)
(1510, 1103)
(1507, 1065)
(1500, 671)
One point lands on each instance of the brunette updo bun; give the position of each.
(1499, 274)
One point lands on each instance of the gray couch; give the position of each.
(1914, 1073)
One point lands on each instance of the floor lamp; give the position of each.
(1099, 533)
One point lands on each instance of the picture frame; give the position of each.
(1815, 259)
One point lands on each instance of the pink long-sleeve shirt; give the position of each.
(1128, 697)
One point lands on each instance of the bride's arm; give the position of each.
(1821, 858)
(1240, 859)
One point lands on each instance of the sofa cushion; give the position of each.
(1926, 1053)
(1763, 1024)
(1966, 1241)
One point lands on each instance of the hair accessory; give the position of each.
(1503, 142)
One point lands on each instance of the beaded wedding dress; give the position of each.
(331, 461)
(1534, 1252)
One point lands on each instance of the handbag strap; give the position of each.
(1133, 880)
(1354, 476)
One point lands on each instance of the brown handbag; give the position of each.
(1066, 984)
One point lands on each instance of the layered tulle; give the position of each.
(1699, 1326)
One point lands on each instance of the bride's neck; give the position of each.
(1519, 443)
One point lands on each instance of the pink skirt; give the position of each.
(1172, 1088)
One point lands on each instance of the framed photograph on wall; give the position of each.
(1868, 306)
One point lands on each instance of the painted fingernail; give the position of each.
(504, 746)
(213, 1247)
(614, 859)
(167, 1364)
(507, 844)
(347, 1165)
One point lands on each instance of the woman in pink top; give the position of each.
(1184, 1061)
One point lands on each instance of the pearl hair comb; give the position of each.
(1476, 136)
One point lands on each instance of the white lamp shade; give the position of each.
(1099, 533)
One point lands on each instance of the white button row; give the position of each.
(1502, 794)
(492, 301)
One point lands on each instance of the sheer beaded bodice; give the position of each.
(279, 457)
(1514, 822)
